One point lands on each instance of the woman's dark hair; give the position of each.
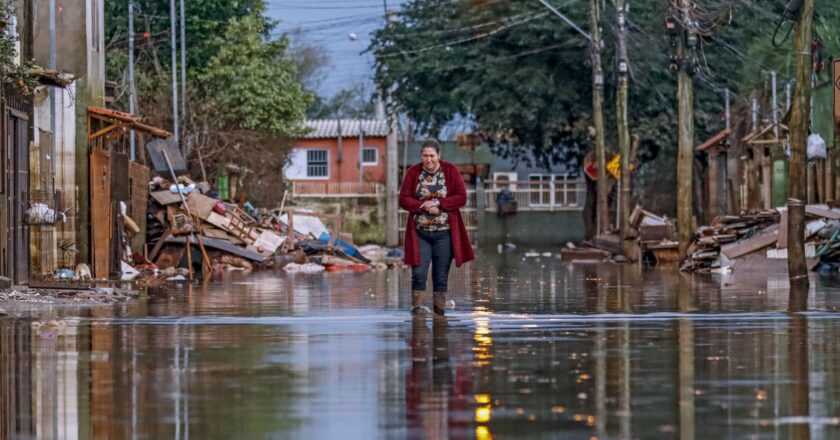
(431, 143)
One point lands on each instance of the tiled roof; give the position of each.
(328, 128)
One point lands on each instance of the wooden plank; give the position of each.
(100, 219)
(817, 211)
(220, 234)
(201, 204)
(138, 175)
(751, 245)
(166, 197)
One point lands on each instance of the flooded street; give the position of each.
(534, 348)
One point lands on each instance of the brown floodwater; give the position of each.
(535, 348)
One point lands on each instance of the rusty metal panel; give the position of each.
(100, 207)
(138, 175)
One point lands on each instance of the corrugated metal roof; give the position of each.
(328, 128)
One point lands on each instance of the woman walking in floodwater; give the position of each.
(433, 193)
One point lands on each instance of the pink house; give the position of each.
(339, 155)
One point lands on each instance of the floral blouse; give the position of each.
(430, 187)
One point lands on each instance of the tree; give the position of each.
(513, 68)
(354, 102)
(244, 96)
(522, 74)
(251, 84)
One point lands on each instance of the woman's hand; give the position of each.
(428, 205)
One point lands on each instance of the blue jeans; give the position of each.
(436, 249)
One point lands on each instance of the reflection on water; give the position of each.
(535, 348)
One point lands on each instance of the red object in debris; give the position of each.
(220, 208)
(335, 268)
(359, 267)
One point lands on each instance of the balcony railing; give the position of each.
(557, 195)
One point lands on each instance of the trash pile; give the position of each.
(191, 230)
(758, 242)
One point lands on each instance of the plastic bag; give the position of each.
(816, 147)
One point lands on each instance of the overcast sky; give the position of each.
(328, 24)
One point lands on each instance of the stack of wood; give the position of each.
(730, 237)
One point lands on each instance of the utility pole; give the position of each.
(602, 217)
(52, 90)
(799, 121)
(621, 116)
(184, 68)
(685, 156)
(132, 87)
(392, 182)
(173, 45)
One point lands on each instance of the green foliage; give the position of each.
(205, 21)
(14, 73)
(524, 75)
(508, 64)
(252, 84)
(354, 102)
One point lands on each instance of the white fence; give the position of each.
(557, 195)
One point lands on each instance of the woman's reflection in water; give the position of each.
(432, 400)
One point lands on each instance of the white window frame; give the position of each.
(327, 153)
(375, 157)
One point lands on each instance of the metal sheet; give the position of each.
(222, 245)
(155, 149)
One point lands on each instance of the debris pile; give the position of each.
(759, 241)
(189, 227)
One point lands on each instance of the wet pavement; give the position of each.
(534, 348)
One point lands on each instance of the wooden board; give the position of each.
(221, 235)
(817, 211)
(201, 204)
(750, 245)
(138, 175)
(100, 208)
(166, 197)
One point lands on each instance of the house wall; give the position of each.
(348, 169)
(80, 45)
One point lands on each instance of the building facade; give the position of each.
(340, 151)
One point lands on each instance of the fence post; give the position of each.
(480, 206)
(566, 190)
(551, 194)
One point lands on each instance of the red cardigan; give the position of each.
(455, 199)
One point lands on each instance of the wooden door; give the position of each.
(100, 219)
(15, 252)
